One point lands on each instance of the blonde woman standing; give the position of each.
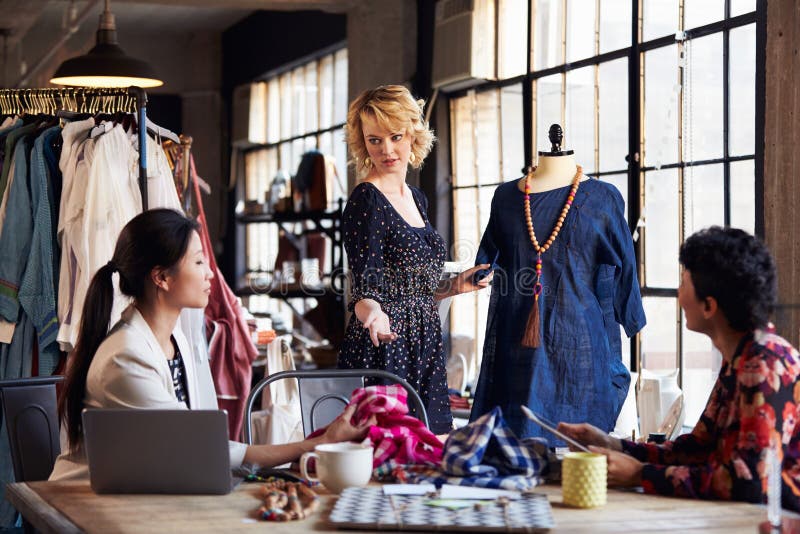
(394, 253)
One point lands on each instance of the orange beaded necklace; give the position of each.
(531, 337)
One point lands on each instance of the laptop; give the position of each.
(157, 451)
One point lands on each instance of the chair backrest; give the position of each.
(324, 394)
(31, 417)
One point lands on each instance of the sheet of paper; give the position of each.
(449, 491)
(408, 489)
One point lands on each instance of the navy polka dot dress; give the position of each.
(399, 266)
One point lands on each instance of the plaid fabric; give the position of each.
(485, 453)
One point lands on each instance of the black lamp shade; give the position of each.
(106, 65)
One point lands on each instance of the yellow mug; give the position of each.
(583, 479)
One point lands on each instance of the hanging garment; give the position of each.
(590, 287)
(74, 170)
(231, 348)
(37, 292)
(11, 142)
(3, 155)
(399, 266)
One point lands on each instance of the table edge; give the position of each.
(37, 511)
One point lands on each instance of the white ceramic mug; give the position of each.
(339, 465)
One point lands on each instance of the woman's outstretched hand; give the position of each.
(464, 282)
(379, 326)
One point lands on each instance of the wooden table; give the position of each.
(66, 507)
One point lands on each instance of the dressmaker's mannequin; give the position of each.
(555, 169)
(565, 279)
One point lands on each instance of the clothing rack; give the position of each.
(62, 102)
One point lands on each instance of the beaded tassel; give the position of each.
(531, 338)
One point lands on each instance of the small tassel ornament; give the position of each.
(531, 338)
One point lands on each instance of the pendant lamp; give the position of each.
(106, 65)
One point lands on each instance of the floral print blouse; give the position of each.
(754, 402)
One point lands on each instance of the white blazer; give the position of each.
(129, 370)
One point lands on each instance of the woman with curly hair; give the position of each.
(394, 253)
(727, 292)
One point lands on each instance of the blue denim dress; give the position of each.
(590, 287)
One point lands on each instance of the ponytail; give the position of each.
(93, 330)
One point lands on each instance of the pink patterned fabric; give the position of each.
(397, 436)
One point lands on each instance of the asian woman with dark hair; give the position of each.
(144, 360)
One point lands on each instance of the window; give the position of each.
(291, 112)
(692, 118)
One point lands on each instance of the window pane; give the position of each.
(286, 105)
(257, 123)
(701, 12)
(512, 38)
(463, 141)
(262, 246)
(739, 7)
(465, 224)
(620, 181)
(340, 87)
(312, 97)
(273, 111)
(659, 336)
(255, 174)
(463, 316)
(548, 109)
(704, 203)
(326, 92)
(485, 195)
(743, 195)
(271, 165)
(613, 88)
(340, 153)
(579, 127)
(286, 160)
(298, 101)
(742, 86)
(511, 127)
(660, 18)
(298, 148)
(326, 143)
(310, 143)
(661, 228)
(703, 115)
(547, 34)
(701, 363)
(580, 29)
(661, 93)
(487, 126)
(615, 25)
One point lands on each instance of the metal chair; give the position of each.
(31, 416)
(324, 394)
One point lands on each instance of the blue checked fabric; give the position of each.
(486, 453)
